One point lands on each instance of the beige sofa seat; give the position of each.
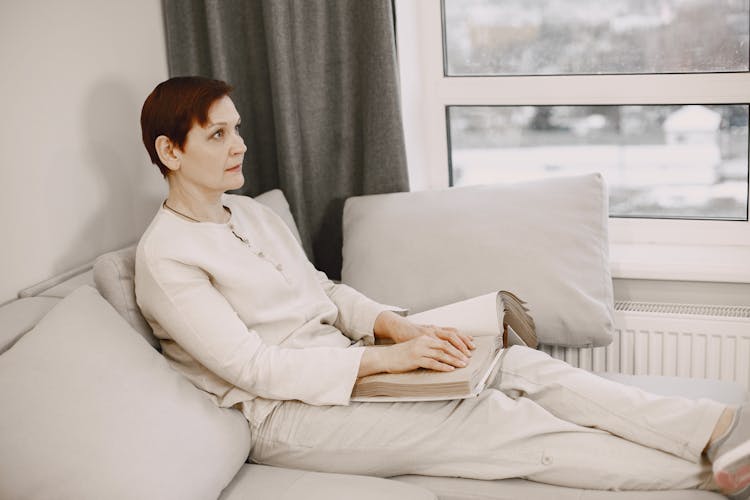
(265, 482)
(448, 488)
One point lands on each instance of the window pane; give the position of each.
(523, 37)
(659, 161)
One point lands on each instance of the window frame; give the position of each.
(715, 246)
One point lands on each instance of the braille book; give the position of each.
(496, 320)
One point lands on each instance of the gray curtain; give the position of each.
(316, 83)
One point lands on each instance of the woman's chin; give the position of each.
(237, 181)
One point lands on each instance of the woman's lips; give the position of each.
(235, 169)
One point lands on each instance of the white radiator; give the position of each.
(698, 341)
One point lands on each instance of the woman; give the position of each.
(244, 315)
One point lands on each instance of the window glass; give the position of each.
(538, 37)
(662, 161)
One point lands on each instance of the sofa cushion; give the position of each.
(544, 240)
(449, 488)
(114, 275)
(277, 483)
(276, 201)
(91, 411)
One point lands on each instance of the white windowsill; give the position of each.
(720, 263)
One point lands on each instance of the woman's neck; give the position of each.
(196, 205)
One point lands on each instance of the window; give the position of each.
(563, 37)
(660, 161)
(687, 161)
(621, 77)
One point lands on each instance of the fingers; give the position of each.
(429, 351)
(433, 364)
(468, 341)
(444, 352)
(448, 348)
(460, 341)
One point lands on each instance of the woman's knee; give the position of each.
(521, 355)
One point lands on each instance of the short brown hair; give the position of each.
(174, 106)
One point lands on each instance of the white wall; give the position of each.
(75, 180)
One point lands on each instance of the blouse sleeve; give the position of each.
(182, 300)
(357, 313)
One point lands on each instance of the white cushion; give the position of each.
(91, 411)
(545, 240)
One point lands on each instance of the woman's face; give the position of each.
(211, 160)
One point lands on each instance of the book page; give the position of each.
(476, 316)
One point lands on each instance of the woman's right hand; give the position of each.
(424, 351)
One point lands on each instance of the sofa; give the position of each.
(92, 410)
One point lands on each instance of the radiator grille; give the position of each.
(684, 309)
(701, 341)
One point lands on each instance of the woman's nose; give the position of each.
(239, 146)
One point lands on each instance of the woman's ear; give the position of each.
(169, 154)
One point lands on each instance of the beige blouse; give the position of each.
(242, 313)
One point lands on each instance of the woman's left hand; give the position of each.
(399, 329)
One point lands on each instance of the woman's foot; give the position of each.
(732, 472)
(730, 455)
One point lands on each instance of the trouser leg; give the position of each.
(489, 437)
(676, 425)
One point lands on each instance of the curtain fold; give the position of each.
(316, 83)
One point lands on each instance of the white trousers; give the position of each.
(541, 419)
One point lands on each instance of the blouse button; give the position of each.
(279, 267)
(261, 254)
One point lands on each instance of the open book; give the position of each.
(495, 320)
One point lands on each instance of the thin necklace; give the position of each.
(231, 226)
(279, 267)
(187, 216)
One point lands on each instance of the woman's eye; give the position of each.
(219, 134)
(237, 127)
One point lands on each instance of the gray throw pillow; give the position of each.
(114, 275)
(276, 201)
(546, 241)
